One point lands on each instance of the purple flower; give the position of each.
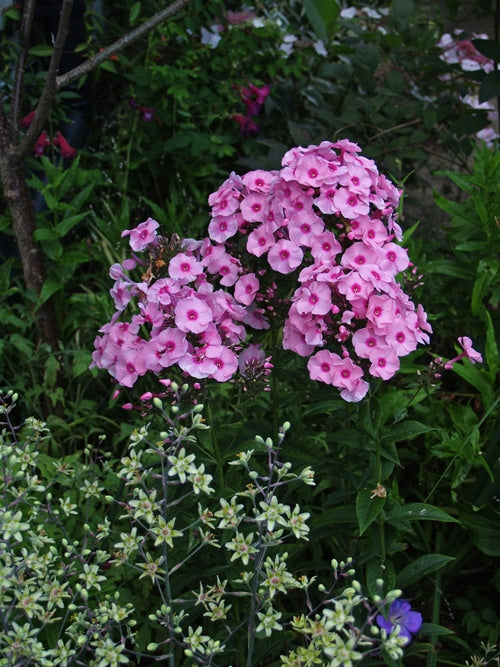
(401, 614)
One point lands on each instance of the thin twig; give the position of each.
(26, 23)
(49, 90)
(73, 75)
(395, 127)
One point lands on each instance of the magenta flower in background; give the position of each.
(41, 143)
(27, 120)
(400, 615)
(247, 125)
(67, 151)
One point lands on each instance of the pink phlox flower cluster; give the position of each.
(311, 247)
(329, 218)
(182, 318)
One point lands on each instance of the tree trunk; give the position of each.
(19, 201)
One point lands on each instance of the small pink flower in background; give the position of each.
(247, 125)
(28, 119)
(147, 114)
(67, 151)
(235, 18)
(41, 143)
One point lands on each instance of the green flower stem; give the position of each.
(166, 582)
(436, 606)
(253, 600)
(216, 449)
(380, 519)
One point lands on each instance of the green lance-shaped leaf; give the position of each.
(323, 16)
(418, 512)
(368, 507)
(421, 567)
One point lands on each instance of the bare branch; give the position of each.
(26, 22)
(49, 89)
(69, 77)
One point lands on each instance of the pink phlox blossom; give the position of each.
(192, 314)
(170, 346)
(385, 363)
(295, 341)
(222, 227)
(355, 393)
(163, 290)
(357, 180)
(304, 230)
(395, 258)
(472, 355)
(284, 256)
(226, 199)
(308, 170)
(370, 231)
(197, 364)
(423, 325)
(325, 246)
(254, 207)
(401, 337)
(142, 235)
(184, 268)
(121, 294)
(346, 146)
(321, 366)
(246, 288)
(468, 351)
(380, 280)
(258, 180)
(315, 298)
(149, 315)
(260, 240)
(225, 361)
(129, 366)
(350, 204)
(355, 288)
(223, 304)
(231, 332)
(359, 254)
(381, 313)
